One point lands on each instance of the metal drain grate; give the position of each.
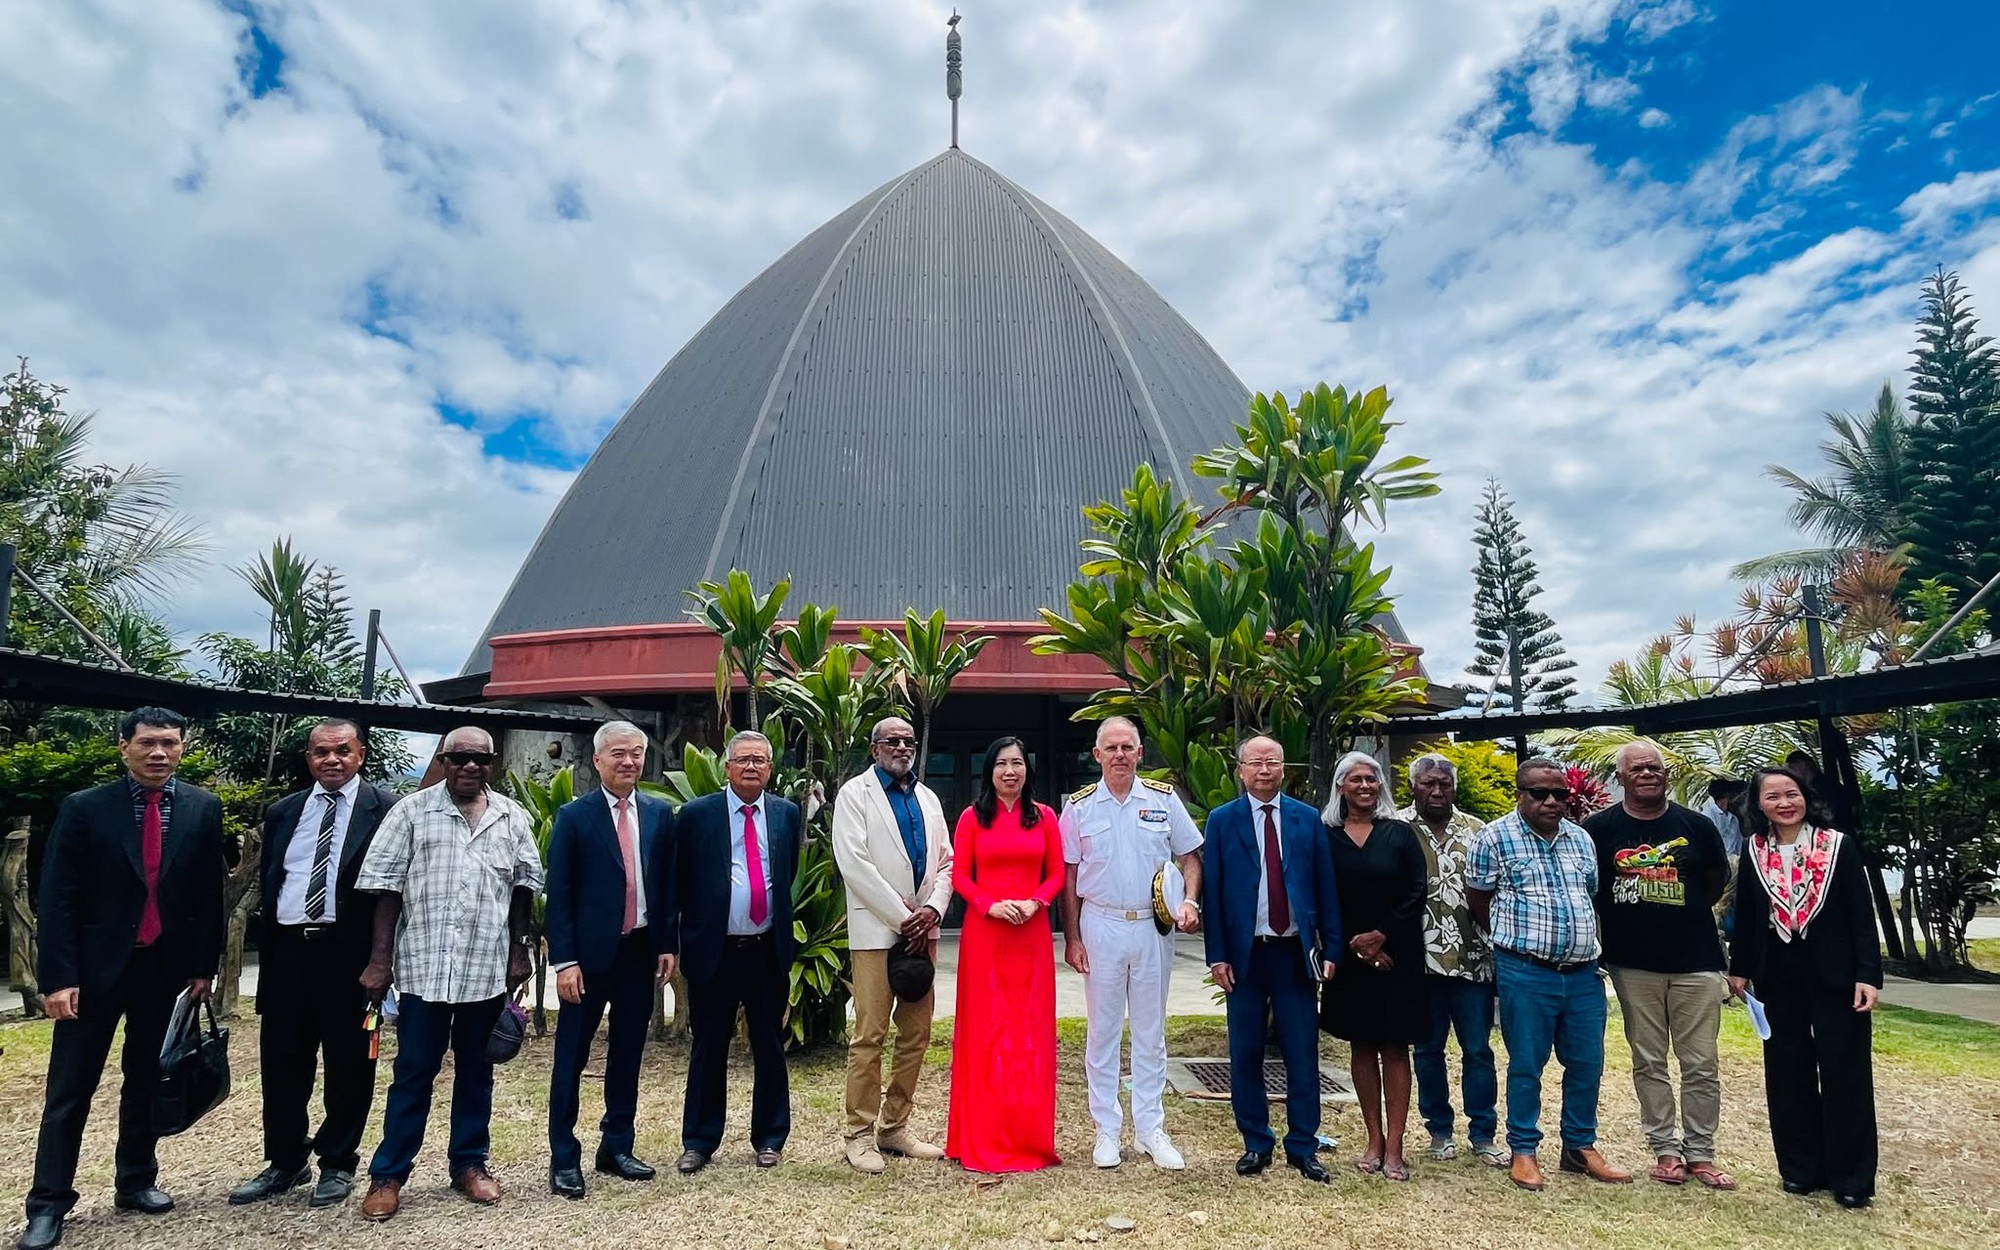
(1214, 1078)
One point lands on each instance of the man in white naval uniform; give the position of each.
(1116, 835)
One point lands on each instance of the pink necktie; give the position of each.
(149, 859)
(753, 867)
(628, 842)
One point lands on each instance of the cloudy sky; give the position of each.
(379, 275)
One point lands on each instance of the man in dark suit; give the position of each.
(602, 855)
(1271, 908)
(727, 911)
(131, 914)
(316, 937)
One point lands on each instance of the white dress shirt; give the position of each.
(299, 852)
(1257, 810)
(739, 871)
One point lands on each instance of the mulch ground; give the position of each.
(1941, 1174)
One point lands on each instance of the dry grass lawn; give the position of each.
(1938, 1078)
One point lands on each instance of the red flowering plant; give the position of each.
(1587, 793)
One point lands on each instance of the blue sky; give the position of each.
(380, 276)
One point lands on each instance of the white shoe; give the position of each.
(1107, 1154)
(1162, 1150)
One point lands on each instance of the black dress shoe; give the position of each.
(623, 1164)
(151, 1200)
(690, 1162)
(566, 1182)
(768, 1156)
(1253, 1162)
(1799, 1189)
(43, 1231)
(268, 1183)
(1853, 1202)
(1310, 1168)
(335, 1184)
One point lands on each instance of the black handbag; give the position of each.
(194, 1068)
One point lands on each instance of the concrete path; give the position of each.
(1189, 996)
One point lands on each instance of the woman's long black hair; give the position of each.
(1757, 825)
(987, 805)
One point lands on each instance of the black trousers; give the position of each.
(311, 1002)
(748, 977)
(144, 998)
(627, 989)
(1819, 1077)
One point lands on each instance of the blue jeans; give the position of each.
(423, 1031)
(1541, 1009)
(1466, 1006)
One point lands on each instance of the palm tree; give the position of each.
(1862, 507)
(921, 666)
(735, 613)
(1692, 757)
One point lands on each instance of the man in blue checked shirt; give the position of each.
(1531, 883)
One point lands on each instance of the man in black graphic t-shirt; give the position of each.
(1661, 869)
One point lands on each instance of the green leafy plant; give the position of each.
(543, 801)
(921, 665)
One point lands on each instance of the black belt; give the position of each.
(737, 941)
(1290, 939)
(306, 932)
(1575, 965)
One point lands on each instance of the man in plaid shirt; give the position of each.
(1531, 883)
(457, 870)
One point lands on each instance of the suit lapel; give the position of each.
(887, 811)
(118, 802)
(176, 833)
(361, 823)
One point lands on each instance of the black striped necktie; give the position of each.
(322, 860)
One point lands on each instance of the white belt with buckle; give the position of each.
(1119, 913)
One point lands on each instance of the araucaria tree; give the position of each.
(1518, 652)
(1954, 520)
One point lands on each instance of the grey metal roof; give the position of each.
(908, 409)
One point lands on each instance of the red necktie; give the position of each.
(628, 842)
(1274, 876)
(753, 867)
(149, 859)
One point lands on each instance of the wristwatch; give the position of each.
(526, 941)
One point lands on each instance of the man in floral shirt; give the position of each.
(1458, 969)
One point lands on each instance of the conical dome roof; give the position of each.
(910, 408)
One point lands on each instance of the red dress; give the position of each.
(1003, 1046)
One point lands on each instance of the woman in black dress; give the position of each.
(1376, 1000)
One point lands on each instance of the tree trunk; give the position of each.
(924, 746)
(240, 896)
(540, 975)
(1908, 917)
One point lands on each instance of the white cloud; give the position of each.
(1654, 119)
(535, 204)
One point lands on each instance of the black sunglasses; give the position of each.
(1542, 794)
(895, 740)
(461, 758)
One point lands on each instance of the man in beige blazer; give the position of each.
(894, 852)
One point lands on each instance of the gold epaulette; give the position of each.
(1164, 787)
(1077, 796)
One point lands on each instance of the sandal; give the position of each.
(1370, 1164)
(1399, 1171)
(1668, 1171)
(1712, 1176)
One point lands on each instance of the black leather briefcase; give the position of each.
(194, 1067)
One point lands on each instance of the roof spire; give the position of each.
(954, 79)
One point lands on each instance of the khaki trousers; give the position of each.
(868, 1111)
(1681, 1010)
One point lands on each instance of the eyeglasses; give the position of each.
(460, 759)
(1542, 794)
(751, 761)
(1263, 763)
(895, 740)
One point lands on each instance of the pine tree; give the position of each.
(1954, 514)
(1503, 613)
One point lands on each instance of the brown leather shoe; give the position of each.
(1588, 1162)
(1526, 1173)
(477, 1184)
(385, 1198)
